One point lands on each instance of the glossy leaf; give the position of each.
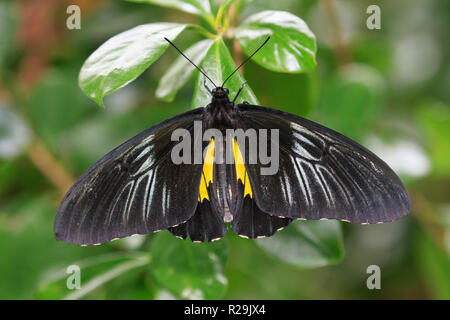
(191, 6)
(181, 70)
(292, 47)
(307, 244)
(124, 57)
(189, 270)
(218, 64)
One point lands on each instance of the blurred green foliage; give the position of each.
(371, 88)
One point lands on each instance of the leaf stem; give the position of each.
(428, 219)
(202, 31)
(41, 157)
(209, 19)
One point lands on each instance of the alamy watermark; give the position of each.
(73, 281)
(186, 152)
(374, 280)
(73, 21)
(374, 20)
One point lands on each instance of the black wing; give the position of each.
(217, 201)
(134, 189)
(322, 174)
(205, 224)
(251, 222)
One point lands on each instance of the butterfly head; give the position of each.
(220, 92)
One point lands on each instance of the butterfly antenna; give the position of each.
(199, 69)
(246, 60)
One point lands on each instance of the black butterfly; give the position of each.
(137, 189)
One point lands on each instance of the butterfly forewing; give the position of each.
(322, 174)
(134, 189)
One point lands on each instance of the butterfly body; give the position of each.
(138, 189)
(221, 112)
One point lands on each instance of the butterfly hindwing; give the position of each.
(208, 221)
(322, 174)
(134, 189)
(205, 224)
(251, 222)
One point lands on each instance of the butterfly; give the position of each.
(137, 188)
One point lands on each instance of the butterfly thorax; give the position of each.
(221, 112)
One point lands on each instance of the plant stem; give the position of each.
(49, 166)
(428, 219)
(203, 31)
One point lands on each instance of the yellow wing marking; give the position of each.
(208, 166)
(241, 173)
(207, 174)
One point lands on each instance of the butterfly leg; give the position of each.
(239, 91)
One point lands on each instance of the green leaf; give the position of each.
(201, 7)
(434, 264)
(292, 46)
(56, 105)
(218, 65)
(124, 57)
(307, 244)
(302, 89)
(28, 247)
(434, 119)
(180, 71)
(350, 101)
(225, 5)
(221, 12)
(94, 272)
(189, 270)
